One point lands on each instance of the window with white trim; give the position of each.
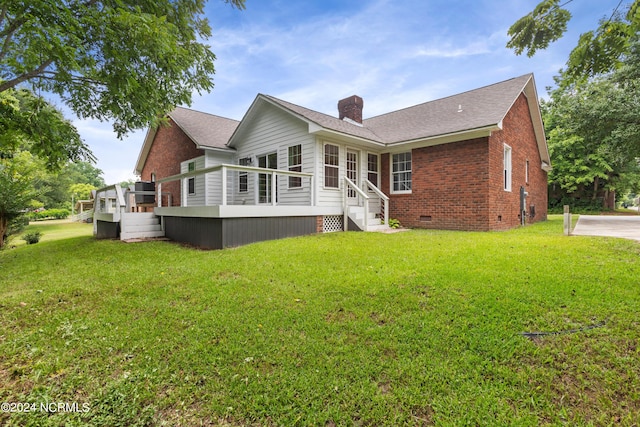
(331, 166)
(191, 183)
(507, 168)
(372, 169)
(243, 176)
(401, 173)
(526, 172)
(295, 165)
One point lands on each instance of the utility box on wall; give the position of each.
(145, 199)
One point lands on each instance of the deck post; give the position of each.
(273, 188)
(224, 185)
(160, 195)
(567, 220)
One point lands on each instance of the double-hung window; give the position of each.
(507, 168)
(331, 168)
(243, 176)
(372, 169)
(401, 172)
(295, 165)
(191, 183)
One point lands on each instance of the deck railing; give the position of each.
(384, 200)
(226, 193)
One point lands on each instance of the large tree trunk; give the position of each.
(596, 181)
(4, 222)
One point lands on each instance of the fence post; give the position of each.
(567, 220)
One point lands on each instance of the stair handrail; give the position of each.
(382, 196)
(345, 198)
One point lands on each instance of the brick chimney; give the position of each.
(351, 108)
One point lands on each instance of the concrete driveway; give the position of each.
(627, 227)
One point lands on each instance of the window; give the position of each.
(295, 165)
(372, 169)
(191, 183)
(401, 172)
(507, 168)
(331, 156)
(526, 172)
(243, 176)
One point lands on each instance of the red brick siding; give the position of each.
(169, 148)
(449, 185)
(460, 185)
(517, 132)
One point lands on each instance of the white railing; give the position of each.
(362, 200)
(383, 198)
(110, 200)
(224, 197)
(82, 216)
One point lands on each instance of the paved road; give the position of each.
(627, 227)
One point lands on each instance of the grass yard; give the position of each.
(413, 328)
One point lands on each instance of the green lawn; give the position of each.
(413, 328)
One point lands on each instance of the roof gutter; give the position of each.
(445, 138)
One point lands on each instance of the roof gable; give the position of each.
(204, 129)
(207, 131)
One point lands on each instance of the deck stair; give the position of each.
(140, 225)
(356, 214)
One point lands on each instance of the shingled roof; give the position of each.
(204, 129)
(475, 109)
(443, 120)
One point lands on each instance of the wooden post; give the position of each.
(567, 220)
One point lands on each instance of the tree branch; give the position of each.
(3, 13)
(24, 77)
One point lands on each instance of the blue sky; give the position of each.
(392, 53)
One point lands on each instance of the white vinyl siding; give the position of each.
(197, 198)
(274, 131)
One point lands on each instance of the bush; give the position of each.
(394, 223)
(32, 238)
(49, 214)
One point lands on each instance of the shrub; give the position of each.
(32, 238)
(394, 223)
(49, 214)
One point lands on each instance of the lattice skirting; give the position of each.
(332, 223)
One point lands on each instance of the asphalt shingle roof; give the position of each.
(206, 130)
(470, 110)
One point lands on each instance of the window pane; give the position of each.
(401, 171)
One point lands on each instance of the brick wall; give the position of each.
(170, 147)
(449, 184)
(460, 185)
(517, 132)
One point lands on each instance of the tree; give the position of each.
(597, 52)
(81, 191)
(35, 141)
(27, 117)
(593, 132)
(130, 61)
(16, 188)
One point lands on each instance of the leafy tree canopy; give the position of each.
(28, 120)
(598, 51)
(593, 131)
(130, 61)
